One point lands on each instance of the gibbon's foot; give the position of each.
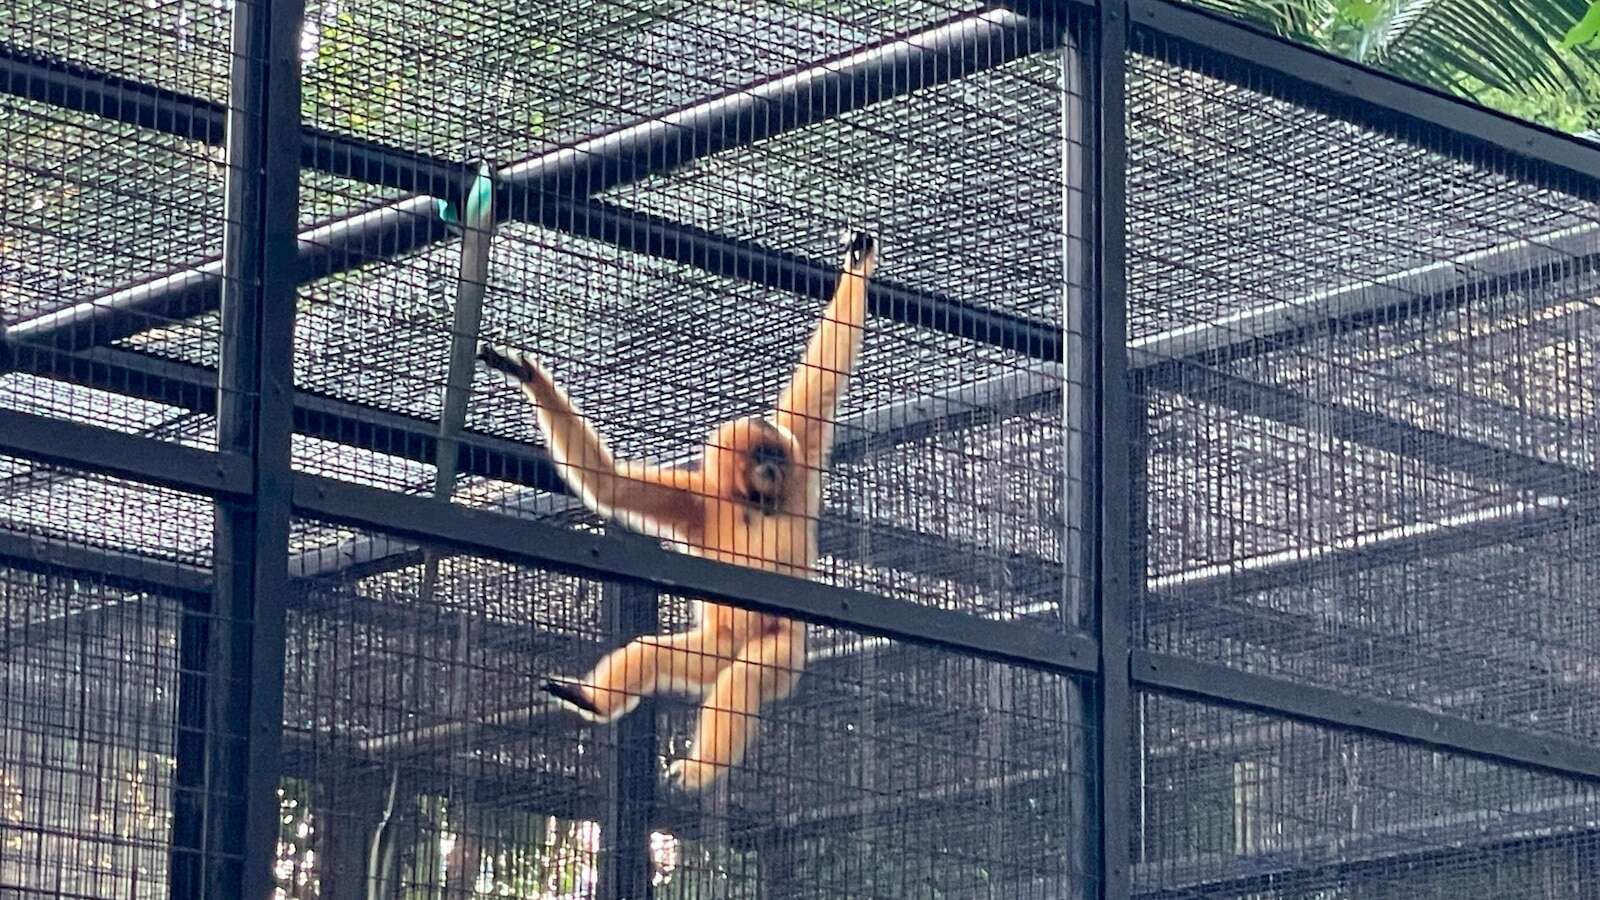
(693, 776)
(860, 251)
(572, 697)
(511, 363)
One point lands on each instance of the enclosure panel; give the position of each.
(94, 212)
(88, 673)
(92, 205)
(506, 82)
(94, 576)
(1371, 419)
(949, 501)
(48, 506)
(178, 46)
(1232, 804)
(891, 771)
(946, 481)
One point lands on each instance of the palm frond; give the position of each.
(1510, 46)
(1403, 17)
(1462, 46)
(1302, 20)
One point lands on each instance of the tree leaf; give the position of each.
(1362, 12)
(1587, 29)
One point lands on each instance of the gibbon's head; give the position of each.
(754, 460)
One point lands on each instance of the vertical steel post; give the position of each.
(1114, 590)
(1078, 491)
(231, 691)
(629, 767)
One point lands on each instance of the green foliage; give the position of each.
(1586, 32)
(456, 72)
(1528, 57)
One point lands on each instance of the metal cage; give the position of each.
(1209, 515)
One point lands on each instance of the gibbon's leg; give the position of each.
(658, 501)
(684, 663)
(765, 671)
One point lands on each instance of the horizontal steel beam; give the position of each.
(752, 263)
(1247, 332)
(194, 388)
(1385, 858)
(1469, 456)
(113, 568)
(1168, 594)
(1218, 684)
(1523, 263)
(69, 84)
(962, 46)
(1297, 566)
(610, 558)
(122, 455)
(338, 246)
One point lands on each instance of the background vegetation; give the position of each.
(1536, 59)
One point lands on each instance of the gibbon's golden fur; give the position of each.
(752, 500)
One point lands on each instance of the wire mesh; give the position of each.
(1361, 360)
(97, 575)
(1233, 804)
(505, 82)
(92, 213)
(891, 771)
(90, 206)
(946, 461)
(1370, 438)
(175, 44)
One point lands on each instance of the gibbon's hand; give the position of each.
(861, 254)
(516, 369)
(653, 500)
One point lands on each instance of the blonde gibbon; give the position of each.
(751, 499)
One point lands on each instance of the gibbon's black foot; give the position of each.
(858, 247)
(571, 696)
(511, 364)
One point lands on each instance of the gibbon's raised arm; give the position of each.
(658, 501)
(809, 403)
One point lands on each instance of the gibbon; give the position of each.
(751, 499)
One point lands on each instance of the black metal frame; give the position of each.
(1108, 467)
(229, 752)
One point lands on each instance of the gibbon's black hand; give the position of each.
(494, 359)
(858, 248)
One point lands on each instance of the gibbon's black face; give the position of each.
(766, 470)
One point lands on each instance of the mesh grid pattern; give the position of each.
(1238, 805)
(89, 206)
(1238, 200)
(1370, 434)
(658, 352)
(1382, 483)
(59, 400)
(879, 737)
(88, 679)
(180, 45)
(505, 82)
(48, 504)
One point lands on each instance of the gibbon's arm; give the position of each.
(809, 403)
(658, 501)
